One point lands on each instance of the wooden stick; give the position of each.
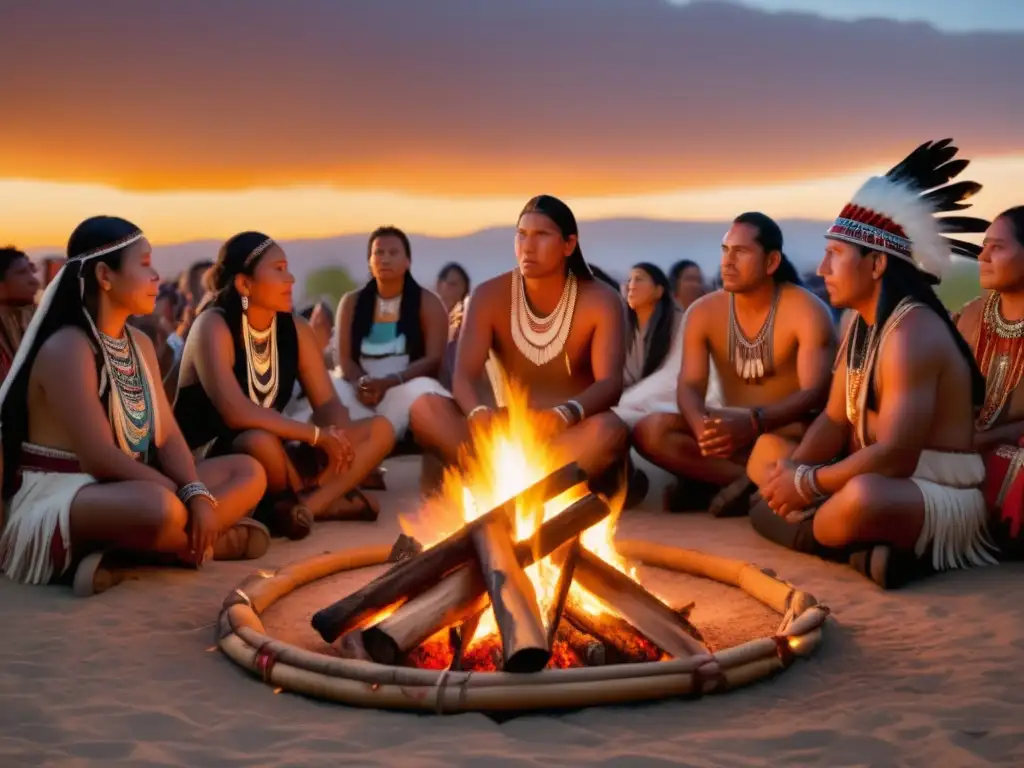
(622, 644)
(646, 613)
(462, 637)
(351, 647)
(589, 650)
(411, 577)
(524, 640)
(462, 593)
(568, 560)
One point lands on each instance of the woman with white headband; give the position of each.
(94, 462)
(242, 359)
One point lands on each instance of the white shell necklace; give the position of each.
(541, 339)
(261, 361)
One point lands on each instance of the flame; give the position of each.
(513, 454)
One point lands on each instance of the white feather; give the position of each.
(905, 206)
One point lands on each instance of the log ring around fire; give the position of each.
(241, 636)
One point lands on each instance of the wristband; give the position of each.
(316, 435)
(575, 406)
(477, 410)
(566, 413)
(189, 491)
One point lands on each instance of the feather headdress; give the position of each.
(898, 214)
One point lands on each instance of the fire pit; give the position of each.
(529, 605)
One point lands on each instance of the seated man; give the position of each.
(888, 477)
(994, 327)
(772, 378)
(549, 326)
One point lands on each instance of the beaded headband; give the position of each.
(257, 251)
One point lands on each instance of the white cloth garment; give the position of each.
(657, 392)
(39, 511)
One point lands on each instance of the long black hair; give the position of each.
(901, 280)
(769, 237)
(409, 312)
(677, 269)
(454, 266)
(239, 255)
(660, 329)
(1015, 216)
(98, 240)
(563, 217)
(9, 255)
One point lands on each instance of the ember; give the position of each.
(533, 583)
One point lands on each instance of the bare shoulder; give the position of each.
(304, 331)
(600, 295)
(65, 356)
(969, 316)
(805, 306)
(487, 296)
(430, 303)
(920, 338)
(209, 321)
(348, 300)
(707, 308)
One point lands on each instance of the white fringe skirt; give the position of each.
(955, 516)
(38, 513)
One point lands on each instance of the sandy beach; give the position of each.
(930, 675)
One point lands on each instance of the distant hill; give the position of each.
(613, 244)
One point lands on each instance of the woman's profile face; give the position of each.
(389, 260)
(641, 290)
(135, 285)
(270, 286)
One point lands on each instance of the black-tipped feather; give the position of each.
(951, 197)
(964, 224)
(963, 248)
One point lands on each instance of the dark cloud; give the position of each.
(465, 96)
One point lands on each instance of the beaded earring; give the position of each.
(245, 303)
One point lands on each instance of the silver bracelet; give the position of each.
(189, 491)
(316, 435)
(566, 413)
(477, 410)
(580, 413)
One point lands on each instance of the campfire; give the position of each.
(510, 567)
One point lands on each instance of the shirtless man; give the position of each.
(888, 476)
(552, 327)
(994, 327)
(772, 343)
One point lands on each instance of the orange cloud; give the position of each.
(462, 98)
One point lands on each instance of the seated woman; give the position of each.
(452, 285)
(93, 459)
(241, 360)
(391, 337)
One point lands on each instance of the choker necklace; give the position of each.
(261, 362)
(389, 307)
(754, 358)
(541, 339)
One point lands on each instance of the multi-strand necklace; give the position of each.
(130, 408)
(541, 339)
(261, 362)
(754, 358)
(1000, 354)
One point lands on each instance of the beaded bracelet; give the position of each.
(806, 483)
(189, 491)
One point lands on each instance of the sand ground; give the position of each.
(930, 675)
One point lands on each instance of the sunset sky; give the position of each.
(199, 118)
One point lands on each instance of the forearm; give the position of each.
(692, 406)
(425, 366)
(599, 396)
(823, 442)
(177, 462)
(112, 465)
(249, 416)
(331, 414)
(883, 459)
(351, 371)
(791, 409)
(465, 394)
(1004, 434)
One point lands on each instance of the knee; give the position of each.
(650, 430)
(382, 434)
(260, 445)
(609, 432)
(247, 472)
(767, 450)
(837, 523)
(165, 511)
(427, 410)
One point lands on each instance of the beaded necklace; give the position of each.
(1000, 355)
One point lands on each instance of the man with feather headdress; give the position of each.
(888, 476)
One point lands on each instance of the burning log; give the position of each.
(463, 592)
(405, 548)
(524, 640)
(460, 639)
(411, 577)
(620, 643)
(590, 651)
(562, 587)
(646, 613)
